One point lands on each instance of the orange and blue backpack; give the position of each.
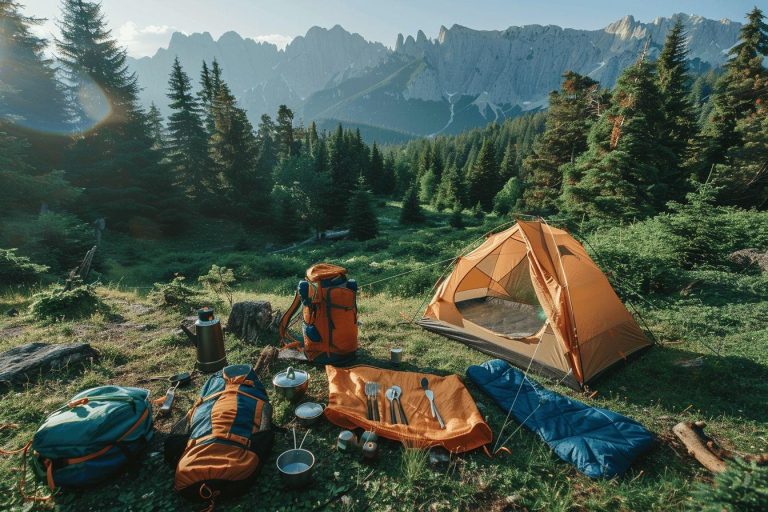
(328, 303)
(228, 434)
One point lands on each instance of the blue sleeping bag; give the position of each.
(600, 443)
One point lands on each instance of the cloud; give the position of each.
(277, 39)
(143, 41)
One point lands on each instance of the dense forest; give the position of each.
(78, 152)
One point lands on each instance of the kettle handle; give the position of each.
(290, 373)
(189, 334)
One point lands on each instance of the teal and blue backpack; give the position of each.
(92, 437)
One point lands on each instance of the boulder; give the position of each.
(21, 364)
(250, 319)
(750, 257)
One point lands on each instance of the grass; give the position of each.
(721, 319)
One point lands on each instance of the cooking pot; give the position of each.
(291, 384)
(295, 467)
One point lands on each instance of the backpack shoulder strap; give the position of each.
(285, 321)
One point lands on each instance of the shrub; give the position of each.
(742, 487)
(58, 303)
(456, 220)
(644, 257)
(57, 240)
(415, 284)
(176, 295)
(219, 280)
(411, 212)
(15, 269)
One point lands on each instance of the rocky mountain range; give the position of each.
(462, 79)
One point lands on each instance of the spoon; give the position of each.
(397, 392)
(390, 394)
(431, 398)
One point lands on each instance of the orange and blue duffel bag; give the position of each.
(93, 436)
(228, 434)
(327, 300)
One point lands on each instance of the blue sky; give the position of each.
(145, 25)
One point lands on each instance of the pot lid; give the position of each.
(309, 410)
(290, 378)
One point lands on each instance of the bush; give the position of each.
(58, 303)
(742, 487)
(220, 281)
(644, 257)
(57, 240)
(15, 269)
(176, 295)
(415, 284)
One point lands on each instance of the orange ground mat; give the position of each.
(465, 428)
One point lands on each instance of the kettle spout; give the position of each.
(189, 334)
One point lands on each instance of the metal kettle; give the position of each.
(209, 340)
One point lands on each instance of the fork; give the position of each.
(371, 392)
(368, 403)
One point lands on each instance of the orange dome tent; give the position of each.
(532, 295)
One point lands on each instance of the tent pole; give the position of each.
(568, 296)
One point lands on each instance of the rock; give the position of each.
(749, 258)
(248, 320)
(140, 309)
(22, 363)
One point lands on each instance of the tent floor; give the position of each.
(507, 318)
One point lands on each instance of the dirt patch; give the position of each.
(11, 332)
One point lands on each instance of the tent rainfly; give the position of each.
(532, 295)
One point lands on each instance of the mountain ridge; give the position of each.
(462, 78)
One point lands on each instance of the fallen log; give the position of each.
(707, 451)
(693, 437)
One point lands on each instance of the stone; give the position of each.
(749, 258)
(23, 363)
(250, 319)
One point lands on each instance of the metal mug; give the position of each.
(396, 355)
(347, 441)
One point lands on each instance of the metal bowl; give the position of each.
(291, 384)
(295, 467)
(308, 413)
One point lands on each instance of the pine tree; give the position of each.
(265, 143)
(388, 181)
(411, 212)
(483, 178)
(738, 92)
(233, 150)
(188, 145)
(734, 127)
(30, 93)
(101, 87)
(157, 131)
(456, 220)
(428, 187)
(507, 198)
(115, 162)
(451, 188)
(286, 145)
(363, 224)
(616, 179)
(569, 118)
(508, 168)
(375, 171)
(209, 84)
(342, 163)
(679, 126)
(24, 187)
